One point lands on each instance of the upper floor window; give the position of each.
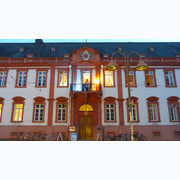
(109, 78)
(39, 112)
(21, 78)
(1, 107)
(61, 112)
(150, 79)
(110, 114)
(63, 79)
(18, 109)
(110, 109)
(3, 78)
(133, 110)
(41, 79)
(170, 78)
(132, 79)
(18, 112)
(153, 109)
(39, 109)
(173, 108)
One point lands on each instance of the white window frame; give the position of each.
(153, 112)
(61, 109)
(173, 109)
(39, 112)
(134, 112)
(3, 77)
(132, 73)
(111, 116)
(42, 75)
(108, 78)
(21, 78)
(152, 77)
(169, 75)
(62, 77)
(19, 111)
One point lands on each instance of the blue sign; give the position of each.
(74, 136)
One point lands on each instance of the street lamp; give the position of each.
(142, 66)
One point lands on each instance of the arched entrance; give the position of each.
(86, 122)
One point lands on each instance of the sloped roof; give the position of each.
(162, 49)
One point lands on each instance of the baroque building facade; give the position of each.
(65, 88)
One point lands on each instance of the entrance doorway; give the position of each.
(85, 127)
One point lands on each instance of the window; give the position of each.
(63, 79)
(41, 78)
(150, 79)
(17, 109)
(61, 112)
(39, 110)
(173, 109)
(109, 78)
(3, 78)
(169, 78)
(132, 79)
(134, 110)
(110, 109)
(18, 112)
(153, 109)
(153, 113)
(110, 112)
(21, 78)
(1, 107)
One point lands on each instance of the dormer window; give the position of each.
(21, 50)
(66, 55)
(106, 55)
(53, 49)
(120, 49)
(151, 49)
(30, 55)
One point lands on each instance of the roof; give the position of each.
(41, 49)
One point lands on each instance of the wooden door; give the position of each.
(85, 127)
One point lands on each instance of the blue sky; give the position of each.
(89, 40)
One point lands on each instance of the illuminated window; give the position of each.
(61, 112)
(150, 79)
(18, 112)
(86, 75)
(109, 78)
(153, 112)
(39, 112)
(41, 78)
(110, 112)
(169, 75)
(1, 106)
(173, 109)
(3, 77)
(131, 78)
(21, 78)
(86, 107)
(63, 78)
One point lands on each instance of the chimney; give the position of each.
(39, 41)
